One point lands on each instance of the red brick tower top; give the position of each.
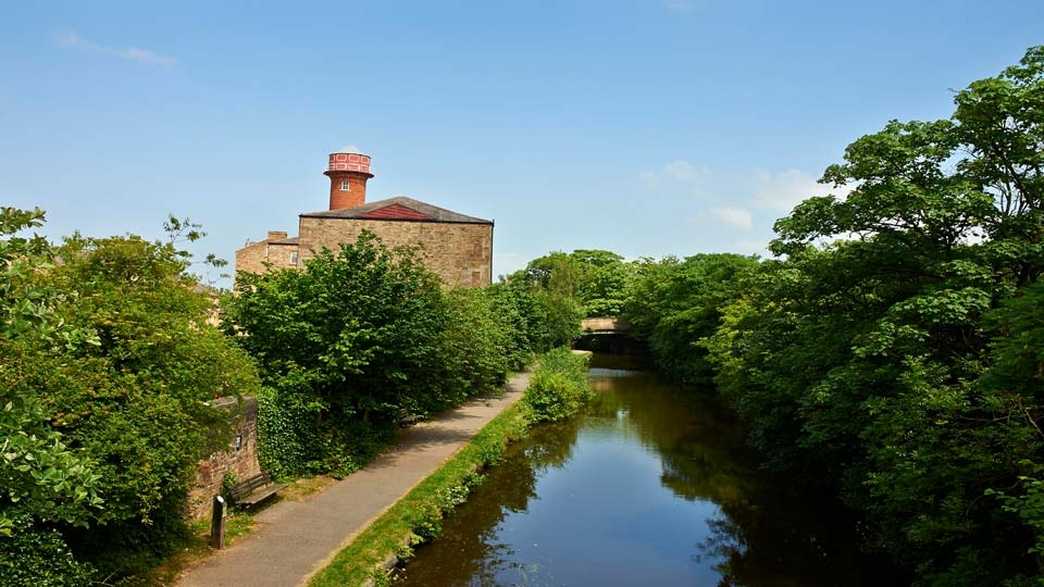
(348, 171)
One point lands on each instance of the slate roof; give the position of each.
(399, 208)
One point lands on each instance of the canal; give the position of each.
(652, 485)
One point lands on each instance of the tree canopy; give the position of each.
(892, 349)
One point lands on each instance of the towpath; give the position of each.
(292, 540)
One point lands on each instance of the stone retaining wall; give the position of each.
(239, 458)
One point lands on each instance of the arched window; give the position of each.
(345, 186)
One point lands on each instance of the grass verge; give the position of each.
(557, 389)
(417, 518)
(195, 548)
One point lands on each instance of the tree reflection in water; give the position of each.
(468, 552)
(753, 529)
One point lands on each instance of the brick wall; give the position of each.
(240, 457)
(356, 194)
(459, 253)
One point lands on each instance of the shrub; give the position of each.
(477, 344)
(364, 339)
(558, 387)
(109, 362)
(40, 558)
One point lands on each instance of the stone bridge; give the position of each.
(608, 334)
(605, 325)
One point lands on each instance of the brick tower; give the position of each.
(348, 171)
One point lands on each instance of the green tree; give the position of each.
(109, 362)
(594, 278)
(353, 339)
(879, 363)
(363, 339)
(43, 480)
(675, 304)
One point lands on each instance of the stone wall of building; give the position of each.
(282, 255)
(252, 258)
(239, 458)
(459, 253)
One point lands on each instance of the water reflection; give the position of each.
(652, 486)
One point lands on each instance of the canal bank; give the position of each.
(652, 485)
(557, 388)
(292, 540)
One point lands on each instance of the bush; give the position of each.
(365, 339)
(477, 344)
(558, 387)
(109, 362)
(40, 558)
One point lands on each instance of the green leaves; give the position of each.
(108, 362)
(595, 279)
(558, 387)
(895, 353)
(366, 337)
(677, 304)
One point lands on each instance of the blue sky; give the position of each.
(650, 128)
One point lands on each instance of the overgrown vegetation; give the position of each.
(109, 361)
(108, 364)
(675, 303)
(587, 282)
(365, 338)
(558, 387)
(895, 350)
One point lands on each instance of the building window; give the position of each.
(345, 186)
(293, 258)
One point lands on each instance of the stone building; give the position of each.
(457, 247)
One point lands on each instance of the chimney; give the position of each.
(348, 171)
(276, 235)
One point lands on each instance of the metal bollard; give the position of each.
(217, 523)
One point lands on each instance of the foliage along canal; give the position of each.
(651, 485)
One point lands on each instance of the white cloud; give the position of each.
(738, 217)
(146, 56)
(783, 190)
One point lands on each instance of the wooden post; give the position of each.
(217, 523)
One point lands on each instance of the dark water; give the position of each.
(651, 486)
